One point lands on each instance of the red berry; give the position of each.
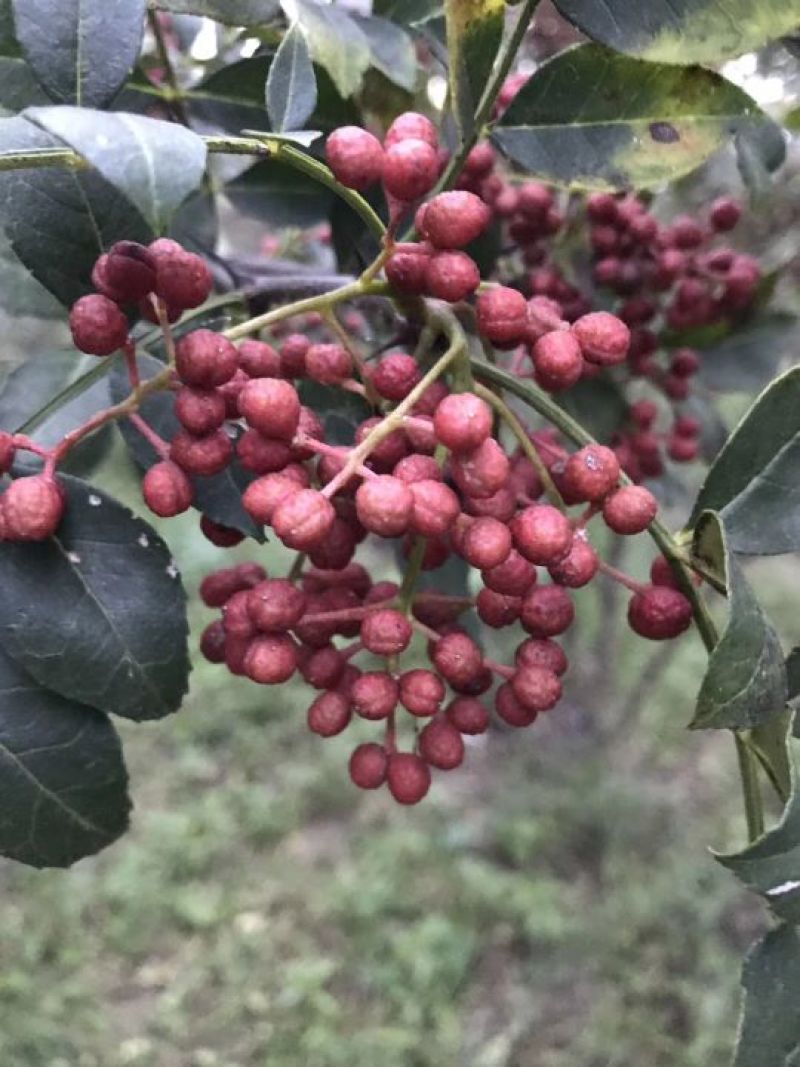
(275, 605)
(557, 360)
(502, 315)
(183, 280)
(219, 535)
(541, 652)
(271, 406)
(368, 765)
(407, 272)
(386, 632)
(302, 520)
(270, 659)
(659, 613)
(604, 339)
(591, 473)
(725, 213)
(329, 714)
(205, 359)
(630, 509)
(542, 534)
(328, 364)
(411, 125)
(374, 695)
(661, 573)
(395, 376)
(434, 508)
(408, 777)
(547, 611)
(262, 455)
(384, 505)
(421, 692)
(601, 207)
(293, 356)
(468, 715)
(510, 709)
(417, 468)
(212, 642)
(7, 451)
(457, 658)
(32, 508)
(98, 326)
(263, 495)
(441, 745)
(259, 360)
(129, 269)
(324, 668)
(410, 169)
(204, 455)
(486, 543)
(200, 411)
(451, 276)
(578, 567)
(682, 449)
(496, 609)
(354, 156)
(482, 471)
(454, 219)
(462, 422)
(536, 688)
(166, 489)
(513, 577)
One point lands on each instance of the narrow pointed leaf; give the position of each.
(335, 42)
(291, 85)
(769, 1033)
(392, 50)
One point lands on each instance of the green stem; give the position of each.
(748, 772)
(174, 101)
(413, 568)
(322, 302)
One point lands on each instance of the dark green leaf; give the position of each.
(63, 785)
(753, 484)
(98, 612)
(751, 354)
(20, 293)
(291, 85)
(340, 412)
(691, 31)
(232, 99)
(155, 164)
(232, 12)
(745, 682)
(80, 50)
(598, 404)
(770, 743)
(759, 152)
(408, 12)
(474, 33)
(196, 224)
(591, 118)
(393, 51)
(793, 673)
(354, 243)
(18, 87)
(279, 195)
(336, 43)
(8, 41)
(59, 221)
(219, 497)
(769, 1033)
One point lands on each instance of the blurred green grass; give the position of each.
(551, 904)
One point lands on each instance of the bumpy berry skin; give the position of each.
(541, 652)
(328, 364)
(219, 535)
(417, 468)
(219, 586)
(542, 534)
(384, 505)
(408, 777)
(457, 658)
(270, 659)
(462, 422)
(374, 695)
(407, 272)
(513, 577)
(536, 688)
(212, 642)
(486, 543)
(557, 360)
(183, 279)
(441, 745)
(200, 411)
(259, 360)
(329, 714)
(98, 326)
(303, 519)
(511, 710)
(32, 508)
(497, 610)
(263, 495)
(204, 455)
(386, 632)
(725, 213)
(659, 613)
(421, 692)
(434, 507)
(166, 490)
(275, 605)
(451, 276)
(271, 406)
(481, 472)
(604, 339)
(454, 219)
(205, 359)
(7, 451)
(468, 715)
(591, 473)
(502, 315)
(354, 156)
(630, 509)
(547, 611)
(578, 567)
(411, 124)
(410, 169)
(368, 765)
(395, 376)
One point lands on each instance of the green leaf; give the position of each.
(98, 613)
(278, 194)
(291, 85)
(409, 12)
(591, 118)
(59, 221)
(751, 354)
(340, 412)
(155, 164)
(691, 31)
(18, 87)
(759, 152)
(393, 52)
(336, 43)
(63, 784)
(793, 673)
(598, 404)
(80, 50)
(769, 1031)
(745, 682)
(20, 293)
(753, 483)
(474, 33)
(220, 496)
(231, 99)
(232, 12)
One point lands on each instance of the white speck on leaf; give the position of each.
(95, 501)
(784, 887)
(172, 569)
(143, 540)
(73, 557)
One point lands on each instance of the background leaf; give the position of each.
(751, 353)
(59, 221)
(291, 85)
(98, 613)
(745, 682)
(18, 87)
(392, 50)
(591, 118)
(598, 404)
(233, 12)
(155, 164)
(279, 195)
(692, 31)
(769, 1033)
(63, 785)
(336, 43)
(80, 50)
(753, 483)
(474, 33)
